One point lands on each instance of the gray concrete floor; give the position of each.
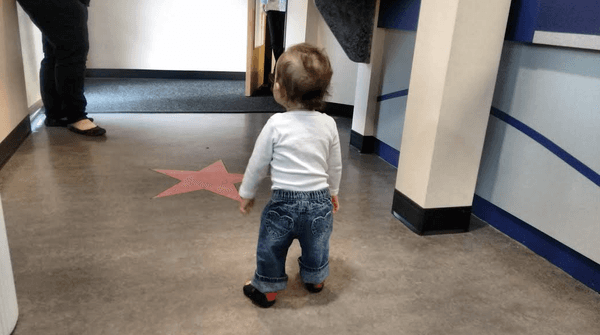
(94, 253)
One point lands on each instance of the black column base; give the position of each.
(364, 144)
(430, 221)
(335, 109)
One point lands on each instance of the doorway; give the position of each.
(259, 56)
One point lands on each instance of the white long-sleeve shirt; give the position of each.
(303, 150)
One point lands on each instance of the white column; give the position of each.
(9, 310)
(457, 53)
(368, 88)
(13, 95)
(13, 109)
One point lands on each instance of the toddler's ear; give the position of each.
(277, 87)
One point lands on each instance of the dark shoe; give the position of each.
(50, 122)
(314, 288)
(257, 297)
(96, 131)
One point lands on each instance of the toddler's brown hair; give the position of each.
(304, 72)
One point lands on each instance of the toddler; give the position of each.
(302, 148)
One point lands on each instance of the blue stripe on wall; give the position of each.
(546, 143)
(568, 16)
(522, 20)
(525, 17)
(572, 262)
(393, 95)
(404, 15)
(399, 14)
(586, 171)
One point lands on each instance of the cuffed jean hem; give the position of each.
(266, 284)
(312, 275)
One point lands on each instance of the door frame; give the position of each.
(255, 56)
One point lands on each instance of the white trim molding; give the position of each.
(9, 310)
(582, 41)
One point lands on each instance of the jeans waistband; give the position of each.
(301, 195)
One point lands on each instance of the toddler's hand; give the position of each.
(336, 203)
(246, 206)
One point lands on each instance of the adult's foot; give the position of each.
(52, 122)
(86, 127)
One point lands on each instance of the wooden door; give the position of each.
(255, 52)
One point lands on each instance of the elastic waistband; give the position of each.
(301, 195)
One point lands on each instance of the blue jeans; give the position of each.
(289, 215)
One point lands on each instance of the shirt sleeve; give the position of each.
(334, 163)
(259, 162)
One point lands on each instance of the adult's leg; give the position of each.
(63, 24)
(50, 97)
(276, 22)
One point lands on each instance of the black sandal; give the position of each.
(257, 297)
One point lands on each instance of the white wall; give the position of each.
(343, 82)
(397, 64)
(188, 35)
(554, 91)
(13, 97)
(13, 109)
(9, 309)
(296, 22)
(31, 46)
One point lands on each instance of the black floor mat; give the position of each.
(128, 95)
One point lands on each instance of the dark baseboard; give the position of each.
(430, 221)
(387, 153)
(164, 74)
(364, 144)
(335, 109)
(371, 144)
(12, 142)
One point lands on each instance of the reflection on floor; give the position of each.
(94, 253)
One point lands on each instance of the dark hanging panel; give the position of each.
(351, 22)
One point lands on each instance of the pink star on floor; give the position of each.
(214, 178)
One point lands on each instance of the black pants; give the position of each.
(64, 28)
(276, 22)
